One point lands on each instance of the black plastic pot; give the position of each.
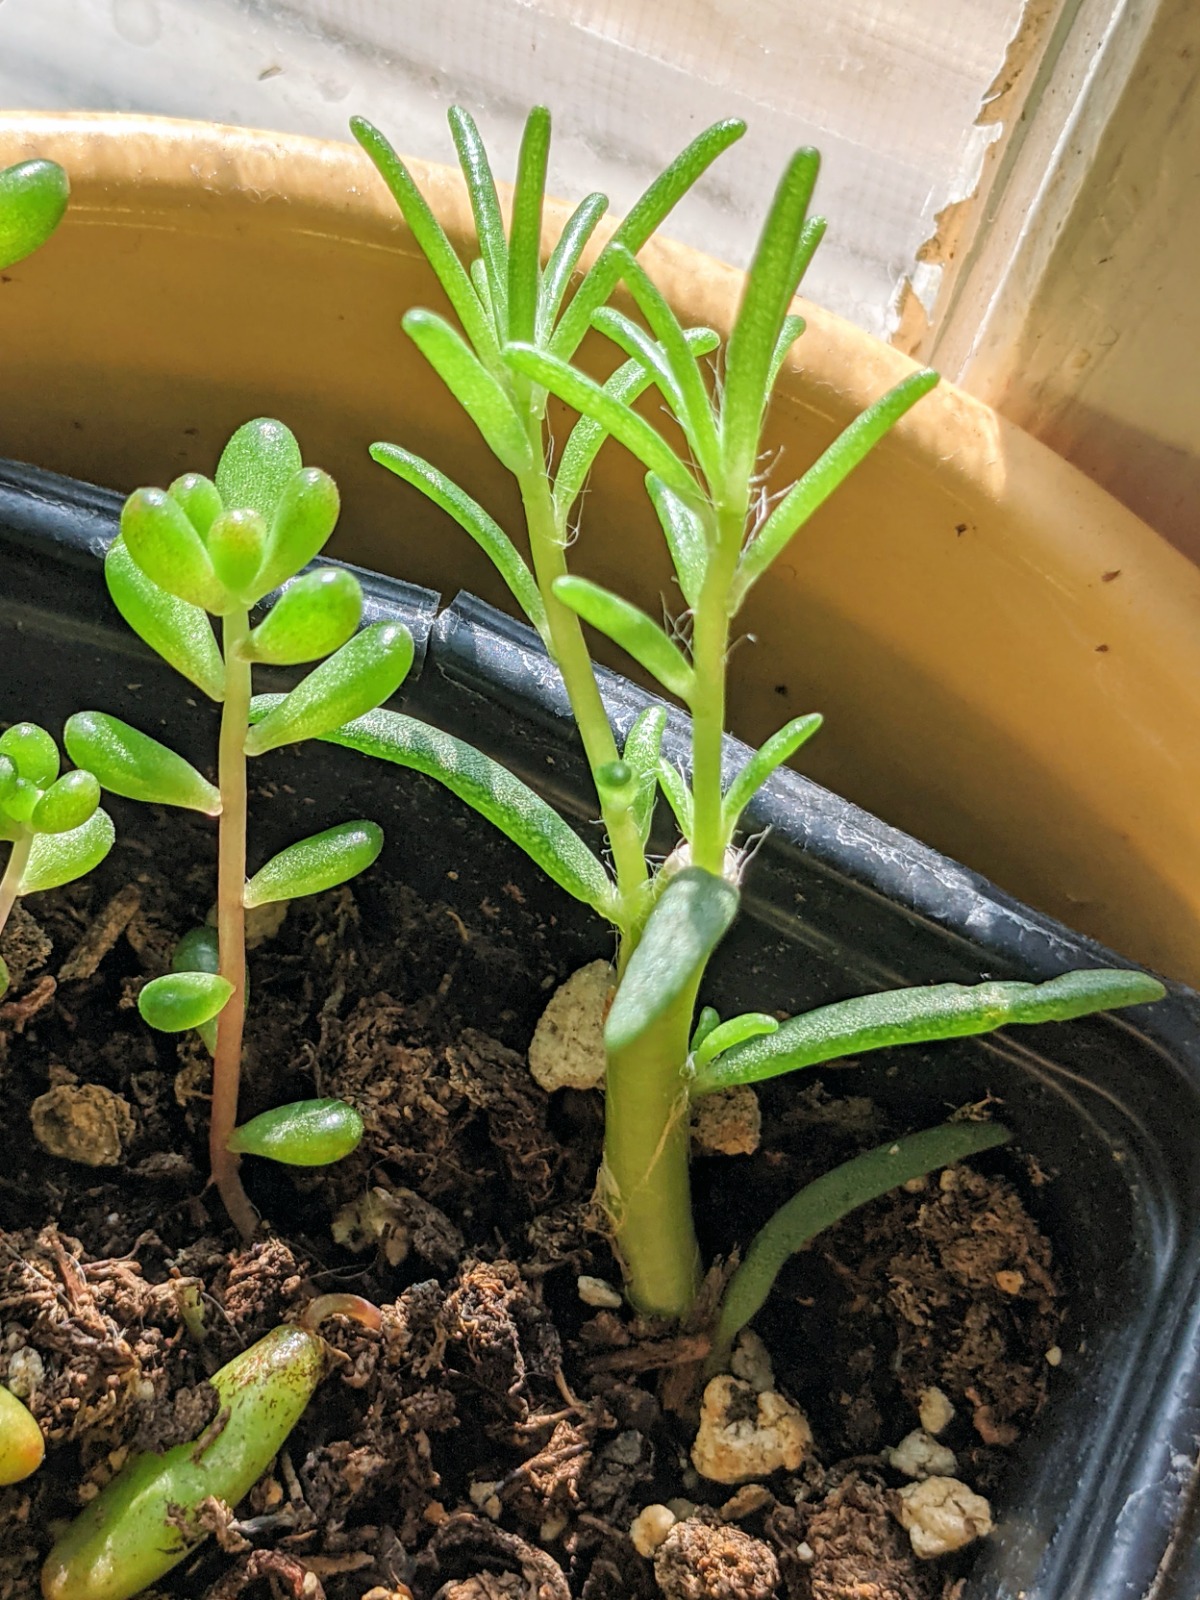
(1102, 1503)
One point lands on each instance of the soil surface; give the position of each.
(498, 1436)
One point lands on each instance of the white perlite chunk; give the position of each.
(752, 1360)
(935, 1410)
(727, 1123)
(597, 1292)
(919, 1455)
(650, 1527)
(567, 1049)
(744, 1434)
(942, 1514)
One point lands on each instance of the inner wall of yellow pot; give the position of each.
(1008, 661)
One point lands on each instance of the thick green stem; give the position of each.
(231, 925)
(644, 1182)
(14, 871)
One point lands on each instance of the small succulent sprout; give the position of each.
(133, 764)
(33, 198)
(181, 1000)
(307, 1133)
(146, 1519)
(21, 1444)
(312, 865)
(315, 615)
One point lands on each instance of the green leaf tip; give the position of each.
(307, 1133)
(315, 864)
(315, 615)
(130, 763)
(33, 199)
(175, 629)
(693, 914)
(256, 465)
(32, 751)
(181, 1000)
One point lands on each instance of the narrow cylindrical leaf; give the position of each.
(160, 537)
(146, 1519)
(679, 796)
(307, 1133)
(564, 258)
(182, 1000)
(722, 1036)
(692, 916)
(632, 629)
(780, 747)
(485, 206)
(33, 197)
(917, 1016)
(708, 1019)
(21, 1444)
(200, 498)
(642, 747)
(237, 544)
(360, 676)
(831, 1197)
(58, 858)
(67, 803)
(314, 616)
(470, 516)
(32, 751)
(133, 764)
(179, 632)
(304, 519)
(255, 466)
(479, 394)
(529, 193)
(683, 527)
(317, 863)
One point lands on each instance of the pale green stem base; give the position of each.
(14, 871)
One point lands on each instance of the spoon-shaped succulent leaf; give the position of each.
(159, 535)
(320, 862)
(315, 615)
(33, 197)
(237, 544)
(360, 676)
(200, 951)
(23, 800)
(200, 498)
(181, 1000)
(133, 764)
(21, 1444)
(146, 1519)
(58, 858)
(632, 629)
(304, 518)
(32, 751)
(174, 629)
(307, 1133)
(256, 466)
(67, 803)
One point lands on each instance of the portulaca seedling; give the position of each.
(33, 198)
(207, 549)
(520, 324)
(55, 826)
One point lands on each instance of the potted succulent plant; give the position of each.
(872, 904)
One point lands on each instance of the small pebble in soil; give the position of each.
(919, 1455)
(751, 1360)
(744, 1434)
(941, 1515)
(1054, 1356)
(650, 1527)
(935, 1410)
(82, 1122)
(728, 1123)
(699, 1562)
(597, 1292)
(567, 1048)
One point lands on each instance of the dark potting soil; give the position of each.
(498, 1437)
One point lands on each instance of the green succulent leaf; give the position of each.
(174, 629)
(485, 206)
(642, 747)
(683, 527)
(33, 198)
(315, 615)
(830, 470)
(564, 259)
(780, 747)
(679, 796)
(58, 858)
(691, 917)
(633, 341)
(307, 1133)
(256, 466)
(918, 1016)
(305, 517)
(158, 534)
(524, 250)
(32, 751)
(23, 801)
(723, 1035)
(481, 395)
(131, 763)
(9, 777)
(793, 327)
(633, 630)
(360, 676)
(181, 1000)
(199, 498)
(200, 951)
(237, 544)
(708, 1019)
(473, 519)
(491, 790)
(4, 978)
(312, 865)
(67, 803)
(831, 1197)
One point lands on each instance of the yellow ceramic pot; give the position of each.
(1008, 661)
